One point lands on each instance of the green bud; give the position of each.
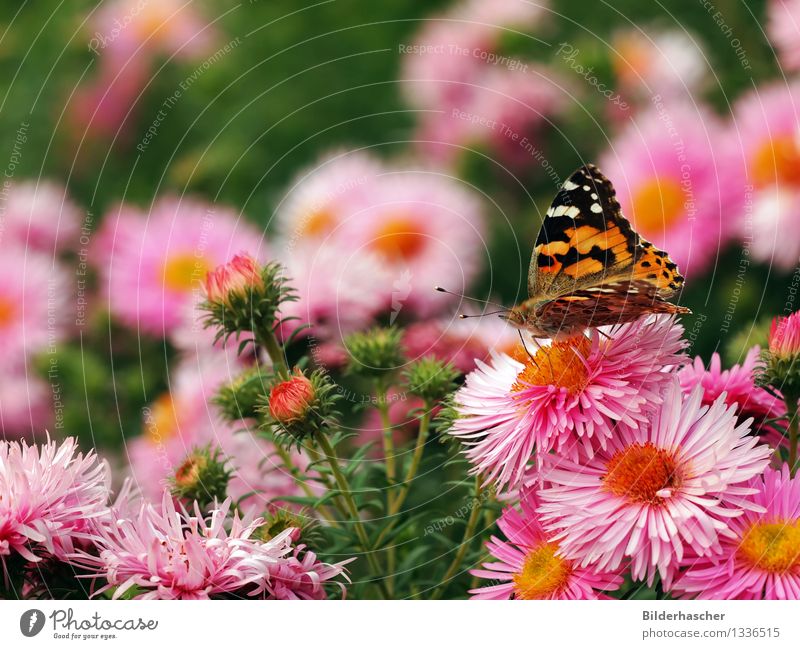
(375, 352)
(431, 378)
(202, 476)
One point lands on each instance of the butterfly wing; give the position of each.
(609, 304)
(585, 241)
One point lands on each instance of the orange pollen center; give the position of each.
(188, 473)
(657, 204)
(560, 363)
(642, 473)
(7, 311)
(162, 422)
(543, 574)
(183, 271)
(777, 161)
(399, 239)
(773, 547)
(317, 223)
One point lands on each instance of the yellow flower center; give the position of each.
(657, 204)
(642, 473)
(183, 271)
(7, 312)
(777, 161)
(773, 547)
(162, 423)
(543, 574)
(560, 363)
(317, 223)
(188, 473)
(399, 239)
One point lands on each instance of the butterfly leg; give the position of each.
(525, 347)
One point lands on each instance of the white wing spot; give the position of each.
(586, 188)
(568, 210)
(596, 208)
(594, 196)
(569, 185)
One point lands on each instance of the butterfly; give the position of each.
(590, 268)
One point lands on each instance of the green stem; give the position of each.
(388, 439)
(791, 408)
(292, 469)
(416, 459)
(469, 532)
(347, 494)
(269, 341)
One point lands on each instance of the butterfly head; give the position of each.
(521, 316)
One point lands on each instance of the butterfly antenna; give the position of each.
(467, 297)
(464, 316)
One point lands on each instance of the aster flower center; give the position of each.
(7, 311)
(773, 547)
(182, 271)
(657, 204)
(543, 574)
(560, 363)
(318, 223)
(162, 422)
(777, 161)
(399, 239)
(188, 473)
(642, 473)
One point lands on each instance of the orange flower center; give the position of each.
(399, 239)
(543, 574)
(317, 223)
(560, 363)
(642, 473)
(183, 271)
(162, 423)
(773, 547)
(657, 204)
(777, 161)
(188, 473)
(7, 312)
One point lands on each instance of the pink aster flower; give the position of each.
(325, 196)
(153, 264)
(301, 575)
(530, 566)
(39, 216)
(760, 557)
(677, 182)
(666, 62)
(166, 553)
(423, 226)
(655, 492)
(736, 385)
(49, 495)
(569, 398)
(783, 29)
(766, 123)
(34, 302)
(339, 289)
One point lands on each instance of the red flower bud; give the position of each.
(290, 400)
(784, 336)
(240, 274)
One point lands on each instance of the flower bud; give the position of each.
(375, 352)
(300, 406)
(201, 476)
(431, 378)
(234, 280)
(238, 399)
(782, 359)
(290, 400)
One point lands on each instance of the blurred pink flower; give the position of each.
(657, 491)
(340, 288)
(162, 552)
(678, 182)
(152, 265)
(766, 123)
(25, 401)
(301, 575)
(39, 216)
(426, 228)
(324, 197)
(529, 565)
(760, 556)
(123, 29)
(49, 497)
(572, 399)
(737, 386)
(783, 29)
(34, 303)
(650, 62)
(403, 420)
